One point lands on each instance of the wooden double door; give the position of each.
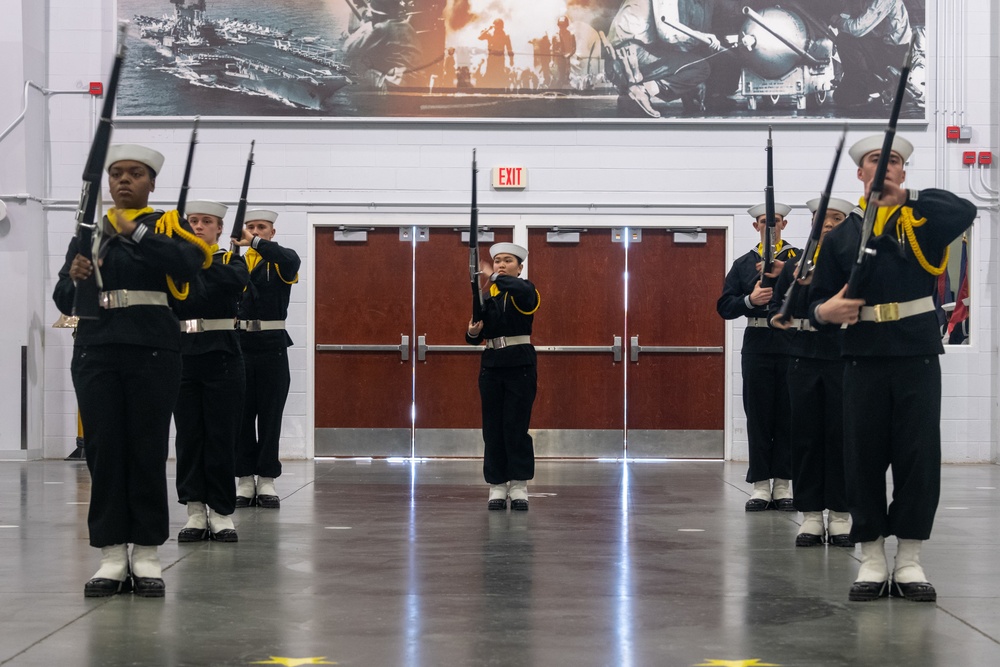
(630, 349)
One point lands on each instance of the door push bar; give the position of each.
(403, 348)
(635, 349)
(616, 349)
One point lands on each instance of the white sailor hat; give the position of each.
(760, 209)
(261, 214)
(206, 207)
(874, 143)
(835, 204)
(147, 156)
(509, 248)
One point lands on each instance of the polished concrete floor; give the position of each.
(380, 563)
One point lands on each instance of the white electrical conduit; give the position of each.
(43, 91)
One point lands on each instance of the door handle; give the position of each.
(615, 348)
(403, 348)
(423, 348)
(635, 349)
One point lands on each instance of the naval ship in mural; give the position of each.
(242, 56)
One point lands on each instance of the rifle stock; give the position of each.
(768, 255)
(241, 209)
(805, 266)
(86, 304)
(878, 182)
(185, 184)
(477, 294)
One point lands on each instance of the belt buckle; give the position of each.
(499, 343)
(194, 326)
(253, 325)
(114, 299)
(886, 312)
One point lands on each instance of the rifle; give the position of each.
(768, 255)
(477, 293)
(86, 304)
(806, 265)
(878, 182)
(241, 209)
(182, 199)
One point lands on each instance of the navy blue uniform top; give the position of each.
(893, 274)
(132, 264)
(732, 304)
(509, 311)
(268, 293)
(821, 344)
(214, 295)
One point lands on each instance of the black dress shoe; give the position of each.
(268, 502)
(757, 505)
(920, 591)
(784, 504)
(808, 540)
(149, 587)
(192, 535)
(243, 501)
(497, 504)
(866, 591)
(103, 588)
(841, 541)
(225, 535)
(519, 505)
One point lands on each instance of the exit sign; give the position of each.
(510, 178)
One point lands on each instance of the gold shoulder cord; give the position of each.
(904, 227)
(169, 224)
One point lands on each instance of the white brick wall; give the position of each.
(679, 168)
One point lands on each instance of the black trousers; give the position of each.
(766, 403)
(816, 387)
(508, 395)
(126, 394)
(267, 385)
(892, 418)
(207, 416)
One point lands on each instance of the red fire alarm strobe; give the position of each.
(96, 88)
(985, 158)
(969, 157)
(954, 133)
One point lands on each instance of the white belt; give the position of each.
(506, 341)
(262, 325)
(757, 322)
(199, 325)
(123, 298)
(891, 312)
(802, 324)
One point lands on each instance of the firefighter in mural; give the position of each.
(563, 49)
(497, 44)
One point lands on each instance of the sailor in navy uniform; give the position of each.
(262, 313)
(764, 365)
(127, 369)
(210, 405)
(892, 373)
(508, 377)
(815, 383)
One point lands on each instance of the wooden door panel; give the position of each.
(363, 297)
(579, 407)
(446, 382)
(676, 400)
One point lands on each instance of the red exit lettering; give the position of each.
(510, 177)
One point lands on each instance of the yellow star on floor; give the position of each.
(294, 662)
(753, 662)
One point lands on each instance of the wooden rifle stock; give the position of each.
(768, 255)
(86, 304)
(878, 182)
(185, 184)
(805, 266)
(241, 209)
(477, 293)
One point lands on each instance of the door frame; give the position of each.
(432, 216)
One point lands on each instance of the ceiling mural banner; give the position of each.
(522, 60)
